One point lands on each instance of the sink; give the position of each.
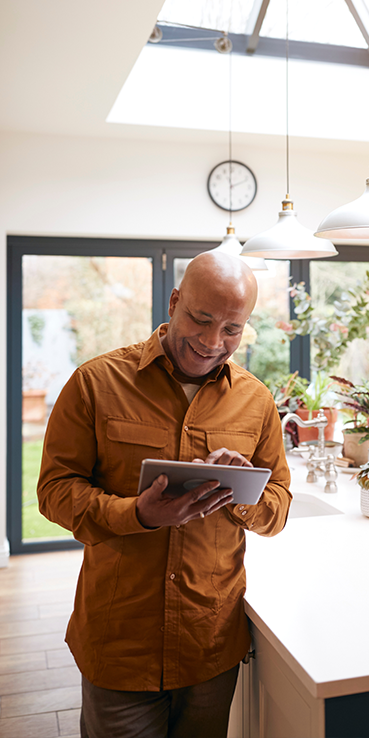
(308, 506)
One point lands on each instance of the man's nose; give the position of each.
(211, 338)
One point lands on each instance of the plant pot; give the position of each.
(363, 483)
(34, 406)
(311, 434)
(353, 450)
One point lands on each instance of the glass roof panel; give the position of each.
(222, 15)
(319, 21)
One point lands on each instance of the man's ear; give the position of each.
(173, 302)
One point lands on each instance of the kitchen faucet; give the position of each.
(321, 463)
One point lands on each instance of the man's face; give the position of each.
(205, 329)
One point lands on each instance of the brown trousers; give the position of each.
(201, 711)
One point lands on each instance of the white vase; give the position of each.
(364, 501)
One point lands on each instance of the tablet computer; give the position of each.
(247, 482)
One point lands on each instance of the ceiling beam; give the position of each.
(304, 50)
(254, 23)
(361, 16)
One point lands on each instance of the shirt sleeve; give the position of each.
(66, 490)
(269, 516)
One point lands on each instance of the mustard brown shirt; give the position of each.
(159, 607)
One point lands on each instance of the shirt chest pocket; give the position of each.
(242, 441)
(128, 443)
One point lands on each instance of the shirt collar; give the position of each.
(154, 350)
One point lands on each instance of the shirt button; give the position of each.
(162, 628)
(172, 576)
(241, 507)
(244, 512)
(186, 428)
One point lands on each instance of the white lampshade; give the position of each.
(288, 239)
(350, 221)
(231, 245)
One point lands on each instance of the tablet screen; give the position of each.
(246, 482)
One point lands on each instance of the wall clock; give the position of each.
(234, 189)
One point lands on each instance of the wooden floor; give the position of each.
(39, 682)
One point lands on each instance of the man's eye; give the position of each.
(200, 322)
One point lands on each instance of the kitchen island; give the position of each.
(307, 600)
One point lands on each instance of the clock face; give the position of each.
(232, 185)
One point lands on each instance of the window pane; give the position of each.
(268, 356)
(74, 308)
(328, 280)
(261, 349)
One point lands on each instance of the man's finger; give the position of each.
(158, 485)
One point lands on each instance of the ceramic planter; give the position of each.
(364, 501)
(353, 450)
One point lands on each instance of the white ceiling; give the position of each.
(63, 62)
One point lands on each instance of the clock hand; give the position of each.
(238, 183)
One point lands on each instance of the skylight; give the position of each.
(222, 15)
(316, 21)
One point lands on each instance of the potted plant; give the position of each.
(312, 397)
(355, 406)
(295, 394)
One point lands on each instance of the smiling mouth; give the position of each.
(202, 356)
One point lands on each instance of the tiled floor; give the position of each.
(39, 682)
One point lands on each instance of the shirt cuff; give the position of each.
(121, 516)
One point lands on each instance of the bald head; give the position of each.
(208, 312)
(216, 271)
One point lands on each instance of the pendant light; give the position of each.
(230, 244)
(288, 239)
(350, 221)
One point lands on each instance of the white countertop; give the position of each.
(308, 589)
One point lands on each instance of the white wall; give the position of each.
(59, 185)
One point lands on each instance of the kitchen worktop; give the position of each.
(308, 588)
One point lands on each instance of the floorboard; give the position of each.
(39, 681)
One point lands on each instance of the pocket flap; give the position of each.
(240, 441)
(143, 434)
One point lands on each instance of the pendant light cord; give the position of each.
(287, 121)
(230, 137)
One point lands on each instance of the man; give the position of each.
(158, 629)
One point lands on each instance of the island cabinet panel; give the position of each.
(270, 701)
(347, 716)
(280, 705)
(239, 716)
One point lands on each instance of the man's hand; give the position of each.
(224, 456)
(155, 509)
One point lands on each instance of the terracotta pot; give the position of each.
(310, 434)
(34, 406)
(353, 450)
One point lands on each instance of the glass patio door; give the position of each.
(64, 308)
(73, 308)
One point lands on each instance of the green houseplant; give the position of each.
(293, 393)
(330, 335)
(355, 407)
